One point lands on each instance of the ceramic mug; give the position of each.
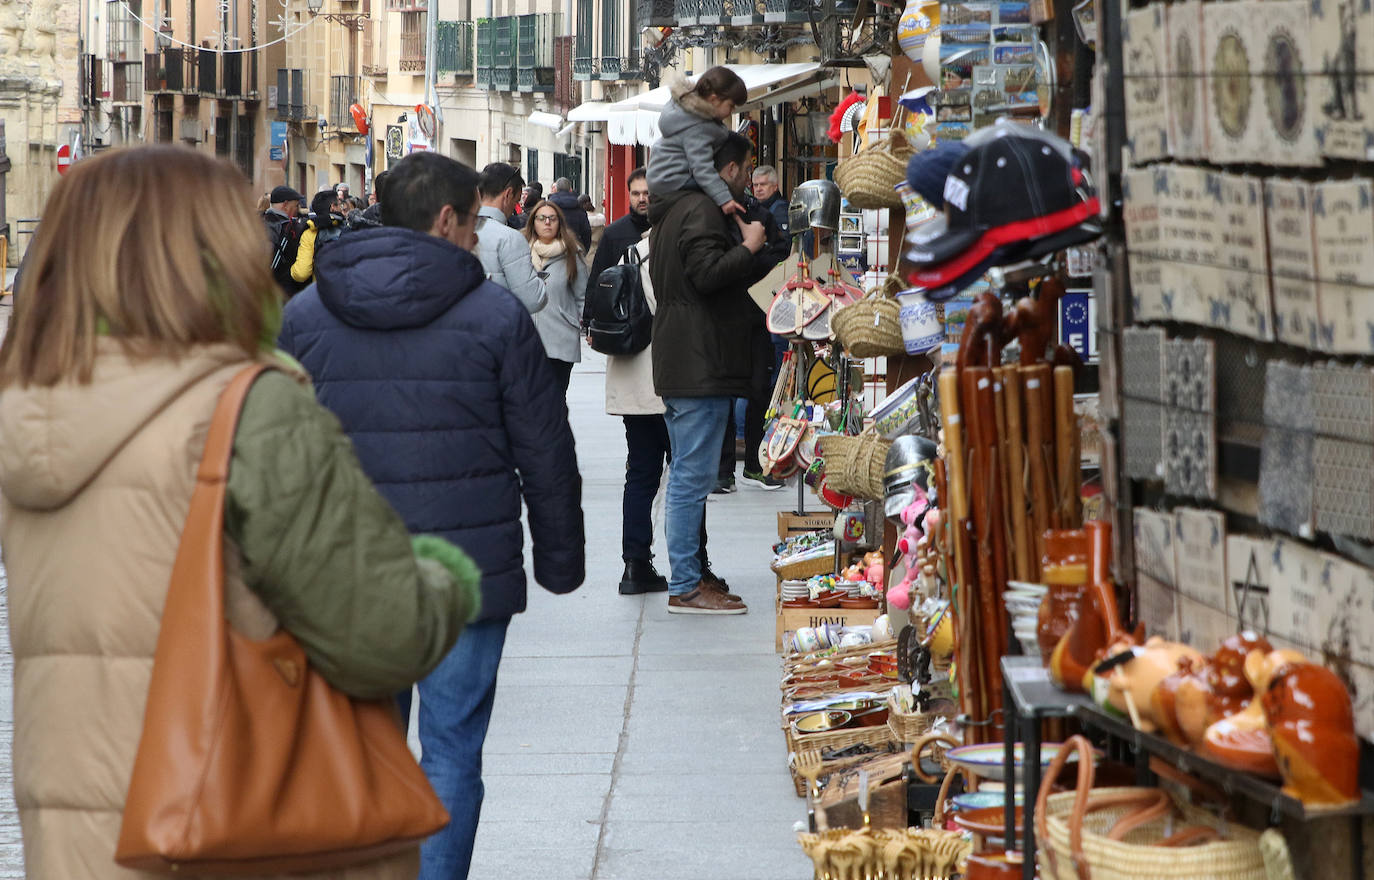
(806, 640)
(921, 327)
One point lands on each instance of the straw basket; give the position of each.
(1073, 841)
(871, 327)
(855, 465)
(909, 726)
(868, 178)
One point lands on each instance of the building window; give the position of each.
(413, 42)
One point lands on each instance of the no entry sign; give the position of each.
(64, 158)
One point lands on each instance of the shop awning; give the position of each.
(590, 111)
(635, 120)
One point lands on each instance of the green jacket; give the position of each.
(374, 610)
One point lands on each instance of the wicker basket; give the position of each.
(1060, 831)
(855, 465)
(909, 726)
(806, 568)
(828, 768)
(868, 178)
(870, 327)
(877, 735)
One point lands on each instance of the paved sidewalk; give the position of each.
(628, 744)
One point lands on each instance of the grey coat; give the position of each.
(505, 257)
(686, 153)
(560, 322)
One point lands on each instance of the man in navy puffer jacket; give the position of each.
(440, 380)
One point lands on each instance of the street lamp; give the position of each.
(353, 20)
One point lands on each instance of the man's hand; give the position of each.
(754, 235)
(732, 207)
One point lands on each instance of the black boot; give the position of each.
(641, 577)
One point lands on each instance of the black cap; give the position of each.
(1015, 185)
(284, 194)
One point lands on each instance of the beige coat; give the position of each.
(630, 378)
(96, 482)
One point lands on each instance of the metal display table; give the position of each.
(1033, 698)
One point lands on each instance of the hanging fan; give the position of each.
(785, 311)
(820, 382)
(818, 328)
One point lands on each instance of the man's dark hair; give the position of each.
(736, 148)
(323, 203)
(498, 177)
(637, 174)
(419, 187)
(379, 184)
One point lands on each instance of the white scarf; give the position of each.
(542, 254)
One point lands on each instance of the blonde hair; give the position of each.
(571, 245)
(128, 249)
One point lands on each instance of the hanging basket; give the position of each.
(871, 327)
(868, 178)
(855, 465)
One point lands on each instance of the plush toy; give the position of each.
(873, 568)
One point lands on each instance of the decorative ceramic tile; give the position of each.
(1187, 93)
(1240, 384)
(1343, 212)
(1345, 612)
(1343, 499)
(1287, 481)
(1361, 616)
(1242, 302)
(1230, 57)
(1283, 129)
(1190, 454)
(1190, 374)
(1158, 607)
(1342, 36)
(1202, 626)
(1108, 399)
(1140, 211)
(1142, 427)
(1295, 602)
(1154, 545)
(1143, 62)
(1189, 242)
(1143, 362)
(1289, 397)
(1200, 554)
(1247, 567)
(1344, 401)
(1292, 261)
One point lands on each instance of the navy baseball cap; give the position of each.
(926, 171)
(1015, 186)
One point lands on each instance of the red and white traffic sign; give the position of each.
(64, 158)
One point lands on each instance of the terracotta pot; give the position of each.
(1312, 725)
(994, 866)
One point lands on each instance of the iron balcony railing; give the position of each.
(535, 51)
(291, 90)
(711, 12)
(208, 72)
(656, 13)
(231, 74)
(453, 47)
(343, 91)
(686, 11)
(412, 58)
(743, 12)
(786, 11)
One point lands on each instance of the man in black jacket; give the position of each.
(702, 354)
(624, 233)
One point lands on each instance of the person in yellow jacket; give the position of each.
(326, 224)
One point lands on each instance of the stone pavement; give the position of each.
(630, 744)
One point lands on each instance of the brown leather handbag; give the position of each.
(250, 762)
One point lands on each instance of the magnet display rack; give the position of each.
(1242, 359)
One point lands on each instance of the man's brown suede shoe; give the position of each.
(712, 581)
(704, 600)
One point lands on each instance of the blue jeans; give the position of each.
(695, 428)
(455, 708)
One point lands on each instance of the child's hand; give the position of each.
(732, 207)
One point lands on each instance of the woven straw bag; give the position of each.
(854, 465)
(1134, 833)
(868, 178)
(872, 327)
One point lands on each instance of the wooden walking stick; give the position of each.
(1025, 568)
(1067, 476)
(985, 485)
(1035, 380)
(956, 507)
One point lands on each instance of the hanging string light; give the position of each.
(280, 22)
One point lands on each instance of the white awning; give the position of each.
(635, 120)
(589, 111)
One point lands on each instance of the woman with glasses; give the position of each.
(557, 259)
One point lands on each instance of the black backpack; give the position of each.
(619, 319)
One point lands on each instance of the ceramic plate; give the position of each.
(977, 800)
(985, 761)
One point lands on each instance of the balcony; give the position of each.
(343, 91)
(482, 80)
(453, 47)
(567, 94)
(584, 68)
(686, 11)
(711, 12)
(503, 79)
(656, 13)
(231, 85)
(190, 70)
(505, 33)
(412, 52)
(534, 52)
(291, 91)
(786, 11)
(744, 12)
